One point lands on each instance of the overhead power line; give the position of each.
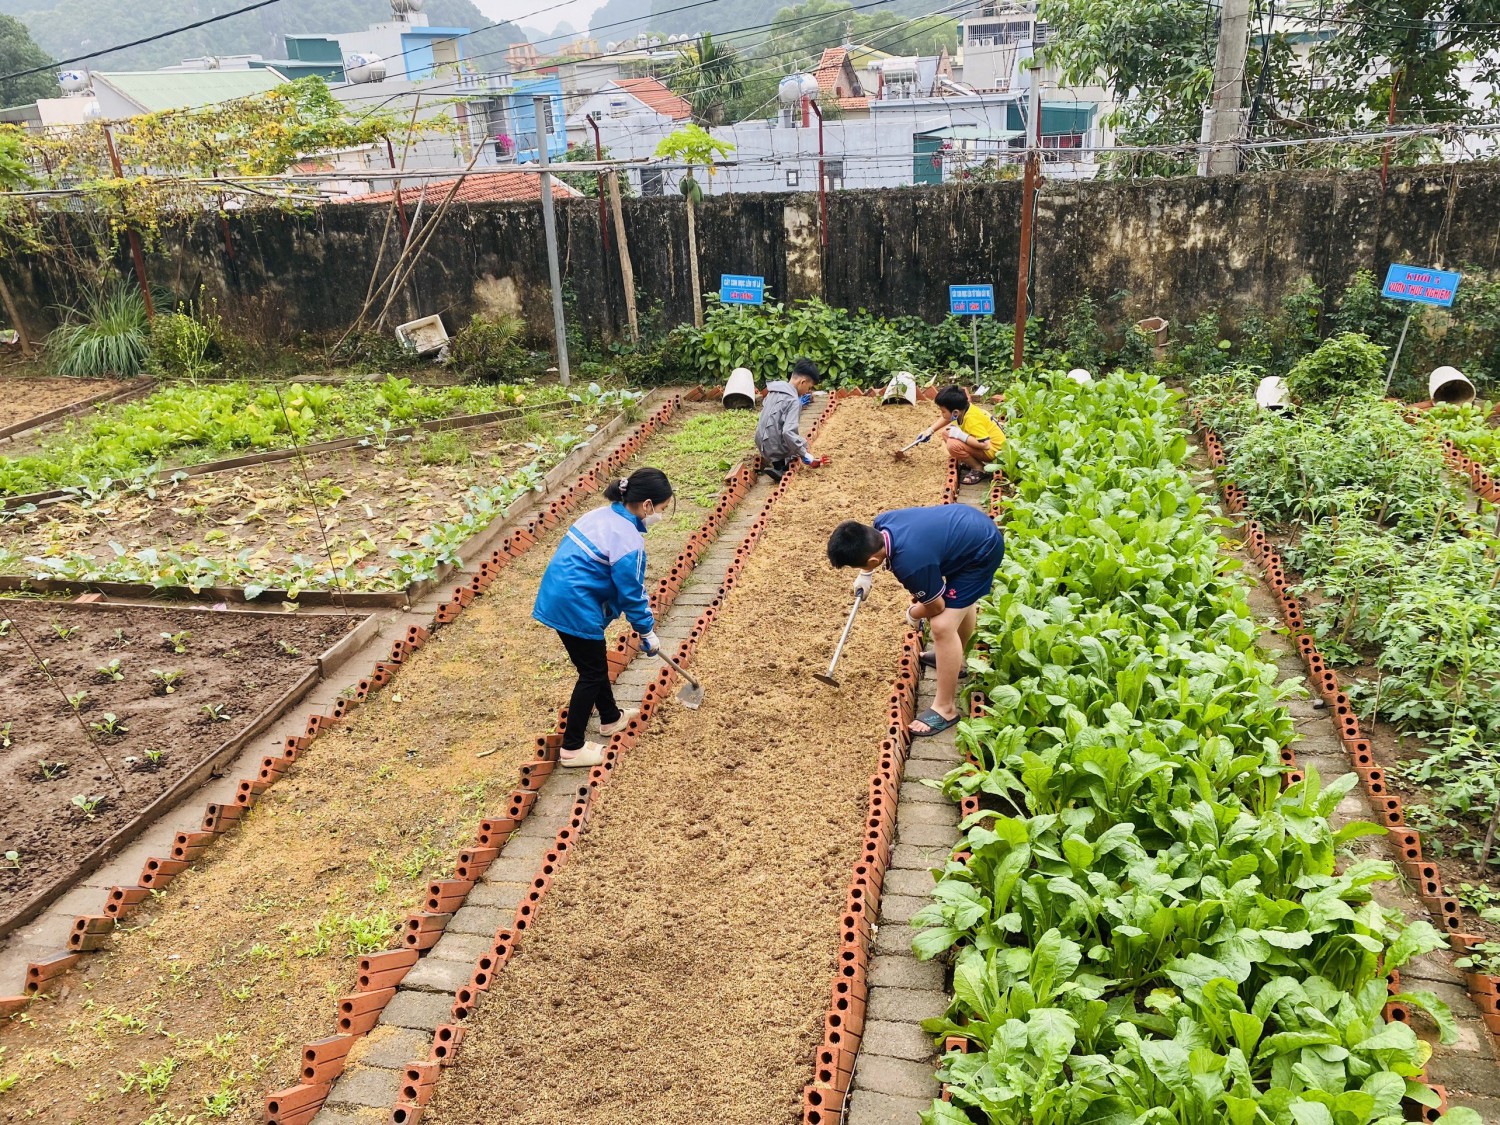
(140, 42)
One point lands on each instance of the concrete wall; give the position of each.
(1177, 247)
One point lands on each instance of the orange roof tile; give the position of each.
(656, 96)
(829, 67)
(482, 187)
(854, 103)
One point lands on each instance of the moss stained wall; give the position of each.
(1176, 247)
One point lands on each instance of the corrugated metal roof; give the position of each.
(155, 91)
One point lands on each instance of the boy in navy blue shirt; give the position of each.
(946, 557)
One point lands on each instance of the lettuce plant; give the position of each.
(1145, 927)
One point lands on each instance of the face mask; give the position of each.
(652, 520)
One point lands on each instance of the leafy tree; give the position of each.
(801, 33)
(929, 35)
(1157, 61)
(18, 52)
(692, 146)
(14, 171)
(708, 75)
(587, 182)
(1426, 42)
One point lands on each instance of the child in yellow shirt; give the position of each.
(973, 435)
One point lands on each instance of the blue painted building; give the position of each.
(520, 113)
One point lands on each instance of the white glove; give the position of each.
(913, 621)
(863, 583)
(650, 645)
(956, 433)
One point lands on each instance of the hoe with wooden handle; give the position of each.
(691, 695)
(827, 677)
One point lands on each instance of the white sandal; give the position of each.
(614, 728)
(590, 754)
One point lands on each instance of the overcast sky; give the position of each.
(575, 12)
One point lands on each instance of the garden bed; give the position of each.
(1394, 571)
(242, 959)
(706, 891)
(28, 402)
(192, 423)
(1124, 721)
(136, 706)
(352, 525)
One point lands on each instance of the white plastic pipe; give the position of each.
(739, 392)
(903, 385)
(1272, 395)
(1448, 384)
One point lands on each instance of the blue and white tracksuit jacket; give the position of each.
(597, 573)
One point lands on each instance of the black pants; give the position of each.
(592, 691)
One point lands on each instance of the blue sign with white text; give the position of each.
(1425, 286)
(971, 300)
(735, 289)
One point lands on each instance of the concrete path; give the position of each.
(894, 1074)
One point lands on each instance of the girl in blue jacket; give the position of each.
(597, 573)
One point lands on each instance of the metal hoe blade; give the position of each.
(825, 678)
(691, 695)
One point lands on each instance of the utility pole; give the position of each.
(1028, 190)
(1222, 123)
(539, 106)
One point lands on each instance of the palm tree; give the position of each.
(708, 75)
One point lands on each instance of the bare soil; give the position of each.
(365, 501)
(30, 396)
(683, 958)
(236, 664)
(242, 960)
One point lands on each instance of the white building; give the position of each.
(989, 60)
(903, 142)
(636, 104)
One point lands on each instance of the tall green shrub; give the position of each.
(108, 335)
(1346, 364)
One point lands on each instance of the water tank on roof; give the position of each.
(91, 110)
(407, 7)
(809, 86)
(361, 69)
(610, 47)
(73, 81)
(642, 39)
(789, 89)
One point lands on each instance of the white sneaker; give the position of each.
(614, 728)
(591, 754)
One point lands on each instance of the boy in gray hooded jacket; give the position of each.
(777, 436)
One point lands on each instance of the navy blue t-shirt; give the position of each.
(928, 545)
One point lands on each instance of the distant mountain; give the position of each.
(749, 18)
(65, 28)
(620, 19)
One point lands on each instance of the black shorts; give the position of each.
(965, 588)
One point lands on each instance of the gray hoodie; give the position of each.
(776, 437)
